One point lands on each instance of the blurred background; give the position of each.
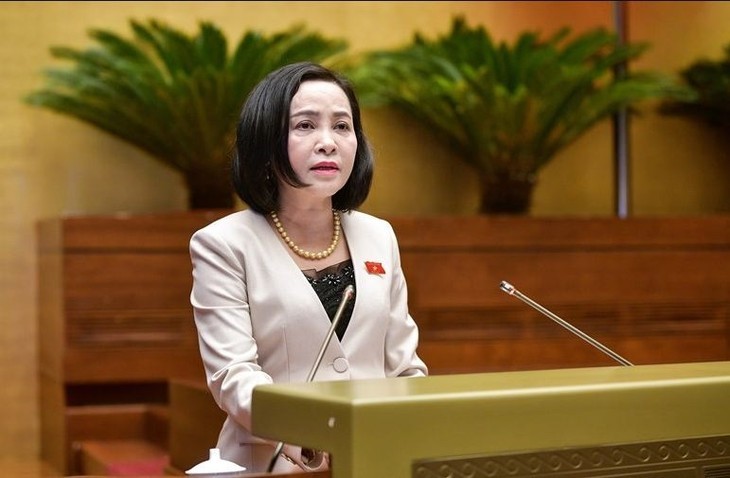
(53, 165)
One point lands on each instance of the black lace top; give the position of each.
(329, 283)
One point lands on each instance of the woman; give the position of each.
(267, 280)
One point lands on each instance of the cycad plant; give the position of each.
(174, 95)
(710, 80)
(507, 109)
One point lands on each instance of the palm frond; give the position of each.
(508, 108)
(174, 95)
(709, 81)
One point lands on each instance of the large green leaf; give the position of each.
(174, 95)
(508, 108)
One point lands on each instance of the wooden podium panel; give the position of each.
(195, 421)
(395, 427)
(115, 325)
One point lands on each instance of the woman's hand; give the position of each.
(302, 459)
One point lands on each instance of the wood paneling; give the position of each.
(195, 422)
(114, 301)
(115, 325)
(653, 289)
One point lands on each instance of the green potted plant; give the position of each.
(507, 109)
(175, 96)
(710, 80)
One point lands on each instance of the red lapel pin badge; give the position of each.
(374, 267)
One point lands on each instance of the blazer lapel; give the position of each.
(360, 251)
(293, 281)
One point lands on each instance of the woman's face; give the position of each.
(322, 142)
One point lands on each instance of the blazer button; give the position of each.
(340, 364)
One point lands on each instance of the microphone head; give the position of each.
(507, 287)
(349, 292)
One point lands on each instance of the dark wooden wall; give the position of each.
(116, 326)
(655, 290)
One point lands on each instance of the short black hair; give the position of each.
(262, 134)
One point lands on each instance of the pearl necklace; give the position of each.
(307, 254)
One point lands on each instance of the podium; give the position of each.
(668, 420)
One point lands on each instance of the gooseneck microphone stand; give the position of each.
(346, 296)
(509, 289)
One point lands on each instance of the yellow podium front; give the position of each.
(668, 421)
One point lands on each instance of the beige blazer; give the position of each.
(259, 320)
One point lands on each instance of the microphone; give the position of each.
(347, 294)
(510, 289)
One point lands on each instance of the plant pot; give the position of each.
(209, 188)
(506, 195)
